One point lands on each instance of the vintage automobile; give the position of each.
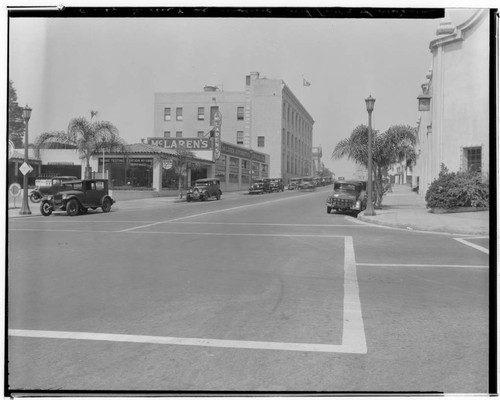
(276, 185)
(77, 196)
(348, 196)
(44, 187)
(260, 186)
(294, 183)
(204, 189)
(307, 183)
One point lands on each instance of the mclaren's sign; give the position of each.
(187, 143)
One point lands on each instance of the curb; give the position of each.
(414, 228)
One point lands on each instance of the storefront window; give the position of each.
(234, 169)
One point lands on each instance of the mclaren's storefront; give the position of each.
(234, 165)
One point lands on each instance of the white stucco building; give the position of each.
(453, 125)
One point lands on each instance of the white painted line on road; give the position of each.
(210, 212)
(473, 245)
(353, 334)
(234, 344)
(236, 234)
(421, 265)
(266, 224)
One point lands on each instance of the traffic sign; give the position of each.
(25, 169)
(15, 189)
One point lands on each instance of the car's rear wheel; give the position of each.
(106, 205)
(188, 198)
(45, 209)
(72, 208)
(217, 196)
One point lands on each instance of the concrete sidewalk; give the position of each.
(405, 209)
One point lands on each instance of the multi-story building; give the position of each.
(265, 117)
(453, 126)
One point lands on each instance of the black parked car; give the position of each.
(204, 189)
(260, 186)
(277, 185)
(77, 196)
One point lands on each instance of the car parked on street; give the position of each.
(77, 196)
(204, 189)
(260, 186)
(307, 183)
(277, 185)
(294, 183)
(45, 187)
(348, 196)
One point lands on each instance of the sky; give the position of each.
(63, 68)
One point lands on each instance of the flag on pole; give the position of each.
(305, 83)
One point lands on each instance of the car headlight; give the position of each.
(49, 198)
(64, 196)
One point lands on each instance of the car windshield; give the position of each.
(346, 187)
(201, 184)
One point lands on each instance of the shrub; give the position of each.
(457, 189)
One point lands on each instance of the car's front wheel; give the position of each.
(72, 208)
(328, 210)
(45, 209)
(106, 205)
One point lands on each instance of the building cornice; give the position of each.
(457, 33)
(296, 102)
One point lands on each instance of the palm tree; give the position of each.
(395, 145)
(86, 136)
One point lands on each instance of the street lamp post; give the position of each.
(370, 102)
(25, 208)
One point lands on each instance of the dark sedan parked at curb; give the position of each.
(260, 186)
(277, 185)
(347, 196)
(77, 196)
(204, 189)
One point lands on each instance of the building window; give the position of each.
(213, 110)
(166, 134)
(178, 134)
(201, 113)
(240, 114)
(473, 159)
(239, 137)
(166, 114)
(178, 113)
(260, 141)
(201, 133)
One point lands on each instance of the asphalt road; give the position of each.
(262, 293)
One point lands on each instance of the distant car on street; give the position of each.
(77, 196)
(294, 183)
(277, 185)
(204, 189)
(260, 186)
(307, 183)
(348, 196)
(44, 187)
